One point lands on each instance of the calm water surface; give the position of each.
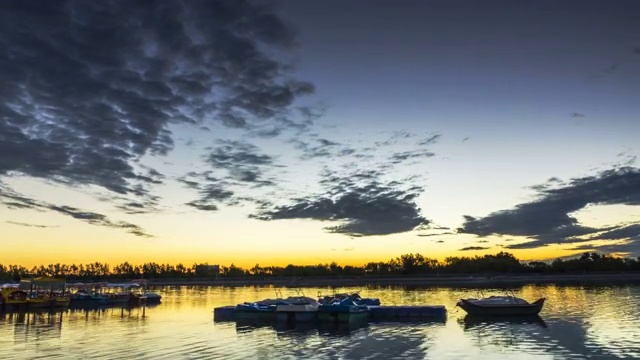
(578, 323)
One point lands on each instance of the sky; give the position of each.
(307, 132)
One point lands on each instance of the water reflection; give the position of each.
(576, 322)
(301, 329)
(472, 321)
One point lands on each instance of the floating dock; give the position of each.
(407, 313)
(374, 314)
(224, 313)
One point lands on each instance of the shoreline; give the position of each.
(427, 281)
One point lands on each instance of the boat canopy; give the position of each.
(43, 283)
(126, 286)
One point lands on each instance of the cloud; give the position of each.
(87, 88)
(364, 206)
(430, 140)
(11, 199)
(30, 225)
(403, 156)
(548, 219)
(321, 148)
(577, 115)
(473, 248)
(234, 165)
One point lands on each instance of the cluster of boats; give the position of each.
(347, 307)
(55, 293)
(341, 307)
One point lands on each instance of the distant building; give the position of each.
(206, 270)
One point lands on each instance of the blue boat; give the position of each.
(346, 309)
(354, 297)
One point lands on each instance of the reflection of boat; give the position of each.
(12, 298)
(473, 321)
(300, 329)
(501, 306)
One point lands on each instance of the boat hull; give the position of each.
(13, 300)
(502, 309)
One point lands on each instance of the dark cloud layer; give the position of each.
(88, 87)
(366, 206)
(548, 219)
(13, 200)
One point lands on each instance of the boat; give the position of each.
(343, 310)
(45, 292)
(508, 305)
(146, 297)
(354, 297)
(12, 298)
(259, 311)
(297, 308)
(88, 295)
(119, 294)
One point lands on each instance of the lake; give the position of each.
(577, 323)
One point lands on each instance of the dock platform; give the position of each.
(435, 313)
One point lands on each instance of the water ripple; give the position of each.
(577, 323)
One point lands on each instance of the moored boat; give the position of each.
(298, 308)
(12, 298)
(354, 297)
(88, 295)
(45, 292)
(501, 306)
(145, 297)
(343, 310)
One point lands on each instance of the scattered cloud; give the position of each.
(13, 200)
(234, 165)
(473, 248)
(430, 140)
(31, 225)
(117, 74)
(548, 219)
(364, 206)
(403, 156)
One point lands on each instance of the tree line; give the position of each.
(408, 264)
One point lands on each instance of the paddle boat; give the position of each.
(145, 296)
(297, 308)
(88, 295)
(12, 298)
(344, 309)
(45, 292)
(354, 297)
